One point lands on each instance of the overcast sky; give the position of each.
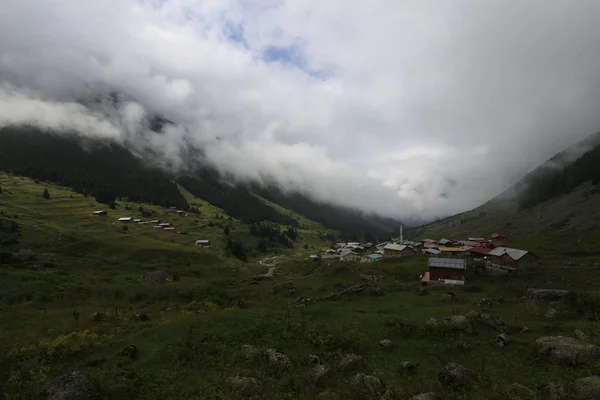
(405, 107)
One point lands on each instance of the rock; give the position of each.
(555, 391)
(459, 322)
(313, 359)
(425, 396)
(68, 387)
(278, 359)
(570, 350)
(130, 351)
(521, 392)
(159, 276)
(448, 297)
(432, 323)
(244, 385)
(98, 317)
(455, 375)
(423, 292)
(251, 353)
(546, 294)
(579, 334)
(320, 372)
(140, 317)
(587, 388)
(254, 283)
(386, 343)
(473, 315)
(327, 395)
(351, 361)
(502, 340)
(408, 365)
(96, 362)
(367, 383)
(287, 287)
(550, 314)
(494, 322)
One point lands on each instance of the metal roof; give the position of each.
(455, 263)
(394, 247)
(375, 256)
(515, 254)
(432, 251)
(345, 252)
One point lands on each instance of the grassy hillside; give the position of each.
(183, 339)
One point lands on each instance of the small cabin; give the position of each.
(126, 220)
(181, 213)
(447, 271)
(397, 250)
(100, 213)
(164, 224)
(203, 242)
(155, 221)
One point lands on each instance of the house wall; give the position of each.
(396, 253)
(503, 261)
(528, 261)
(436, 273)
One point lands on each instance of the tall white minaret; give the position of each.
(401, 236)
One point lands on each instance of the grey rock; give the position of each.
(367, 383)
(455, 375)
(566, 349)
(494, 322)
(98, 317)
(140, 317)
(328, 395)
(386, 343)
(320, 372)
(313, 359)
(459, 322)
(432, 323)
(351, 361)
(278, 359)
(425, 396)
(587, 388)
(473, 315)
(448, 297)
(521, 392)
(70, 386)
(408, 365)
(251, 353)
(245, 386)
(502, 340)
(579, 334)
(555, 391)
(550, 314)
(159, 276)
(254, 283)
(546, 294)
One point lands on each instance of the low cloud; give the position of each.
(407, 109)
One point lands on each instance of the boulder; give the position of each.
(320, 372)
(432, 323)
(244, 385)
(130, 351)
(550, 314)
(566, 349)
(68, 387)
(425, 396)
(494, 322)
(587, 388)
(287, 287)
(313, 359)
(448, 297)
(159, 276)
(546, 294)
(502, 340)
(351, 361)
(521, 392)
(367, 383)
(328, 395)
(408, 365)
(473, 315)
(579, 334)
(456, 376)
(98, 317)
(278, 359)
(555, 391)
(251, 353)
(460, 323)
(386, 343)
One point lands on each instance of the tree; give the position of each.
(261, 246)
(226, 230)
(46, 195)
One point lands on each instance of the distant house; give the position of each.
(203, 242)
(448, 271)
(348, 255)
(137, 220)
(493, 245)
(181, 213)
(512, 259)
(497, 236)
(155, 221)
(170, 228)
(100, 213)
(371, 257)
(432, 252)
(164, 224)
(126, 219)
(452, 251)
(479, 251)
(397, 250)
(157, 227)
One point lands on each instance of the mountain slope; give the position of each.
(554, 209)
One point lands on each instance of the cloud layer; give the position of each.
(409, 108)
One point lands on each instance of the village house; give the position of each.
(512, 259)
(203, 242)
(431, 252)
(170, 228)
(452, 251)
(164, 224)
(497, 236)
(155, 221)
(348, 255)
(447, 271)
(397, 250)
(181, 213)
(479, 251)
(137, 221)
(371, 257)
(100, 213)
(126, 219)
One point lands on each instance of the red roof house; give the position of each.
(497, 236)
(480, 251)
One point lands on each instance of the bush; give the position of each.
(46, 195)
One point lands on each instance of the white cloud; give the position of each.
(408, 108)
